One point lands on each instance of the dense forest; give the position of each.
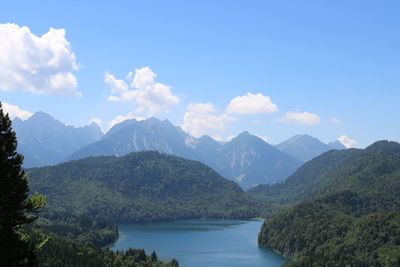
(81, 229)
(350, 213)
(60, 251)
(141, 187)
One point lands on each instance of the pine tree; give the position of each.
(153, 256)
(174, 263)
(15, 248)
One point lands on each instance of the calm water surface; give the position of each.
(200, 243)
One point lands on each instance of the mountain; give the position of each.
(246, 159)
(348, 211)
(140, 187)
(44, 140)
(336, 145)
(305, 147)
(207, 149)
(146, 135)
(249, 160)
(311, 180)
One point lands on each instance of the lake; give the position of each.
(199, 243)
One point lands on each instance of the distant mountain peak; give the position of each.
(40, 115)
(44, 140)
(244, 133)
(206, 138)
(305, 147)
(336, 145)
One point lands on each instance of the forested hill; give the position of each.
(140, 187)
(359, 170)
(312, 179)
(351, 216)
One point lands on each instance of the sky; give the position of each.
(330, 69)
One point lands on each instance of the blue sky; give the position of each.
(325, 69)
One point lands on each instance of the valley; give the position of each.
(199, 133)
(139, 198)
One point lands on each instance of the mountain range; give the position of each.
(44, 140)
(246, 159)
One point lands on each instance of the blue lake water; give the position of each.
(200, 243)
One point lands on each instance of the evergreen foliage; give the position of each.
(141, 187)
(82, 229)
(60, 251)
(15, 249)
(351, 212)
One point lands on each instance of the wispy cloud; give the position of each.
(300, 118)
(335, 120)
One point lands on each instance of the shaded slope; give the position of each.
(140, 187)
(351, 213)
(249, 160)
(133, 136)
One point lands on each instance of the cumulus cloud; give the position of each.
(335, 120)
(347, 142)
(199, 120)
(153, 96)
(39, 64)
(122, 118)
(15, 111)
(301, 118)
(251, 104)
(117, 87)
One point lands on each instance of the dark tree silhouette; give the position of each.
(15, 248)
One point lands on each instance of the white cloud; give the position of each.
(251, 104)
(96, 120)
(301, 118)
(117, 87)
(335, 120)
(199, 121)
(15, 111)
(121, 118)
(347, 142)
(149, 94)
(42, 65)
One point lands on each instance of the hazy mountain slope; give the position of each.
(305, 147)
(336, 145)
(246, 159)
(207, 149)
(45, 141)
(133, 136)
(351, 216)
(143, 186)
(249, 160)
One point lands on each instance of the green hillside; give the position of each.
(140, 187)
(350, 216)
